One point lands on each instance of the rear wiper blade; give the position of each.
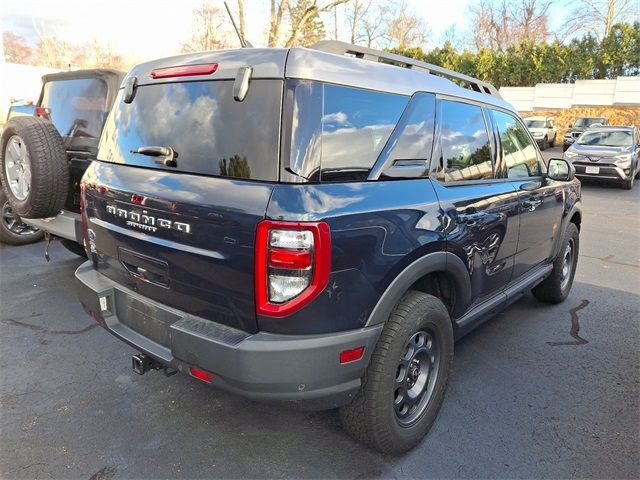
(165, 155)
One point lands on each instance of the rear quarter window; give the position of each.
(338, 132)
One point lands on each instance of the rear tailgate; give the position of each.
(187, 242)
(180, 229)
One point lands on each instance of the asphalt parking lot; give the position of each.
(537, 392)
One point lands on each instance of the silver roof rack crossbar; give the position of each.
(366, 53)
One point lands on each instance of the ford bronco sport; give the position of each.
(304, 226)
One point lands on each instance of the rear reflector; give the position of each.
(351, 355)
(185, 70)
(201, 375)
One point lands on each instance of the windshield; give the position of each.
(616, 138)
(534, 123)
(77, 106)
(587, 122)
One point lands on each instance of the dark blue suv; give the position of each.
(315, 228)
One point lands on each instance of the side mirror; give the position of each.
(561, 170)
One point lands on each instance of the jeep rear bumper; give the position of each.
(64, 225)
(304, 369)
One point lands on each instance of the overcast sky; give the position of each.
(145, 29)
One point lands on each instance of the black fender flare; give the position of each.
(566, 220)
(445, 262)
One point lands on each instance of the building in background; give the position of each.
(620, 92)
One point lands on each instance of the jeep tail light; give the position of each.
(43, 112)
(83, 222)
(293, 263)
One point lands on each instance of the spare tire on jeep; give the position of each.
(33, 167)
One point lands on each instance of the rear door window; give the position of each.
(338, 132)
(466, 151)
(77, 106)
(210, 132)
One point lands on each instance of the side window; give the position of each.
(337, 132)
(466, 153)
(356, 124)
(412, 139)
(519, 155)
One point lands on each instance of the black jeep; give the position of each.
(43, 156)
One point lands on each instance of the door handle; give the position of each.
(470, 219)
(531, 205)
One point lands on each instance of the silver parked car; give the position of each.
(608, 153)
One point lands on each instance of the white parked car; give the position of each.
(543, 130)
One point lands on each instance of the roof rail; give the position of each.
(366, 53)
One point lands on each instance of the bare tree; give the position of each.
(373, 26)
(54, 52)
(530, 20)
(311, 30)
(500, 24)
(241, 19)
(206, 33)
(278, 9)
(356, 17)
(600, 16)
(310, 11)
(404, 28)
(100, 55)
(16, 49)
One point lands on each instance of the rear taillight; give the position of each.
(293, 263)
(83, 222)
(43, 112)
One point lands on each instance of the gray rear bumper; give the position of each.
(262, 366)
(65, 225)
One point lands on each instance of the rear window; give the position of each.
(208, 130)
(338, 132)
(77, 106)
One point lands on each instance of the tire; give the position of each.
(556, 287)
(12, 230)
(552, 143)
(374, 417)
(628, 184)
(545, 144)
(33, 167)
(73, 247)
(565, 147)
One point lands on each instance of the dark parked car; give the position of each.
(610, 154)
(579, 126)
(62, 140)
(315, 228)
